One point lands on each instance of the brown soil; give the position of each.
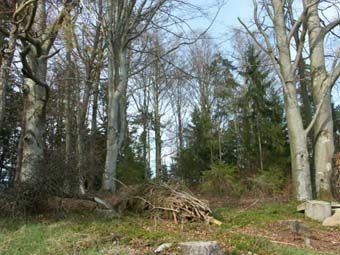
(327, 240)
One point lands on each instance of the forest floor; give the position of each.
(250, 226)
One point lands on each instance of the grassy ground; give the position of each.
(255, 230)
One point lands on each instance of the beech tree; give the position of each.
(91, 54)
(125, 22)
(37, 37)
(322, 82)
(287, 64)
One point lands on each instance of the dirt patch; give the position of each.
(303, 237)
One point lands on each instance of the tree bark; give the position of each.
(323, 127)
(298, 150)
(83, 103)
(126, 20)
(35, 100)
(34, 58)
(297, 135)
(146, 128)
(68, 112)
(93, 135)
(157, 117)
(117, 87)
(158, 138)
(35, 93)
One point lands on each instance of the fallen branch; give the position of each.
(102, 202)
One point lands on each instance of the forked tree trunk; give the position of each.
(35, 101)
(297, 134)
(34, 58)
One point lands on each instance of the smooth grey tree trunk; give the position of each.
(126, 20)
(323, 127)
(297, 135)
(298, 151)
(117, 87)
(33, 137)
(35, 101)
(34, 58)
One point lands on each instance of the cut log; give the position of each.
(163, 247)
(200, 248)
(318, 210)
(212, 220)
(334, 220)
(102, 203)
(301, 207)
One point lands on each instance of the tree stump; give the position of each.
(334, 220)
(318, 210)
(200, 248)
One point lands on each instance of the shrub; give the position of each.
(221, 180)
(266, 182)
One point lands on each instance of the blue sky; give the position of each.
(227, 17)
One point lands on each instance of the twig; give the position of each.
(251, 205)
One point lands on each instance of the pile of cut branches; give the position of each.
(168, 201)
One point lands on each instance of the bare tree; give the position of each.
(91, 55)
(125, 22)
(287, 68)
(322, 83)
(37, 38)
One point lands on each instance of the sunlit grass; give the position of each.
(88, 234)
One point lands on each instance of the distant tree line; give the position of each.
(94, 94)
